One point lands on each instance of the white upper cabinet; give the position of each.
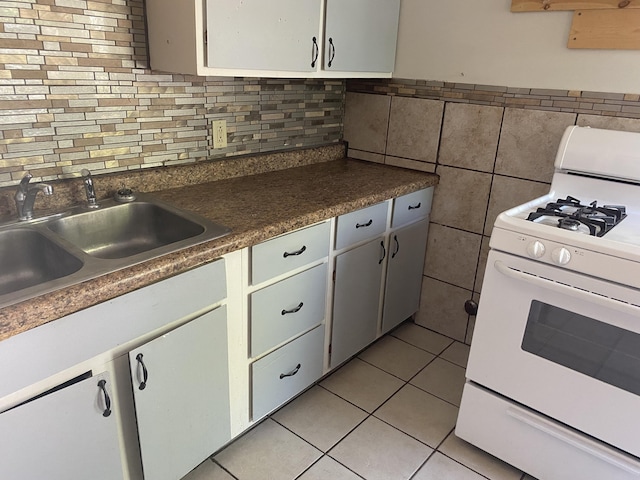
(275, 38)
(260, 35)
(360, 35)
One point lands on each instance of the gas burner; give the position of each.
(572, 215)
(569, 223)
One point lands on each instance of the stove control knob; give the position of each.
(536, 249)
(561, 256)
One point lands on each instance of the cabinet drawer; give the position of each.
(411, 207)
(288, 252)
(287, 308)
(286, 372)
(361, 225)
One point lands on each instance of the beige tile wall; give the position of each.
(76, 92)
(489, 158)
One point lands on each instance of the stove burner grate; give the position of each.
(572, 214)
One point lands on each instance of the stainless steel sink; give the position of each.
(125, 230)
(42, 255)
(28, 258)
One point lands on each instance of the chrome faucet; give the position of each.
(89, 189)
(26, 196)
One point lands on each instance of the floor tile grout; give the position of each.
(404, 383)
(337, 461)
(225, 470)
(423, 464)
(408, 382)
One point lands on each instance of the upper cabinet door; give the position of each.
(263, 35)
(360, 35)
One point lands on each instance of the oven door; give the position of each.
(561, 343)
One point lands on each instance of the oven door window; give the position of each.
(594, 348)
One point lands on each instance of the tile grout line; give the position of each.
(453, 459)
(224, 469)
(408, 382)
(368, 415)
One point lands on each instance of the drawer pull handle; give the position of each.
(145, 374)
(297, 252)
(395, 252)
(291, 373)
(294, 310)
(362, 225)
(415, 207)
(384, 253)
(107, 401)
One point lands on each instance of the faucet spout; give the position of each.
(25, 196)
(89, 189)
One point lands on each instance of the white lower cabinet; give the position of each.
(181, 382)
(356, 299)
(181, 389)
(67, 434)
(286, 371)
(407, 248)
(286, 316)
(377, 285)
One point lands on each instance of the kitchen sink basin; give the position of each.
(125, 230)
(45, 254)
(28, 258)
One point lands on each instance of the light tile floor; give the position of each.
(387, 414)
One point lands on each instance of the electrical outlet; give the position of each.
(219, 133)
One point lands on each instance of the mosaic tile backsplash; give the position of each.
(76, 92)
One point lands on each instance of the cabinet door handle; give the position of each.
(315, 49)
(293, 310)
(291, 373)
(145, 374)
(297, 252)
(332, 52)
(107, 401)
(397, 249)
(384, 252)
(363, 225)
(415, 207)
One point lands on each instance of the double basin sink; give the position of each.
(49, 253)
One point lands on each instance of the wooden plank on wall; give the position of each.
(549, 5)
(605, 29)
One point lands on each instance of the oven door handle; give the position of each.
(574, 439)
(601, 300)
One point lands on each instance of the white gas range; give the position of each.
(553, 380)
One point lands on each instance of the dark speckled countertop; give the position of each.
(255, 207)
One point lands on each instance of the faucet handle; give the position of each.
(24, 183)
(89, 189)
